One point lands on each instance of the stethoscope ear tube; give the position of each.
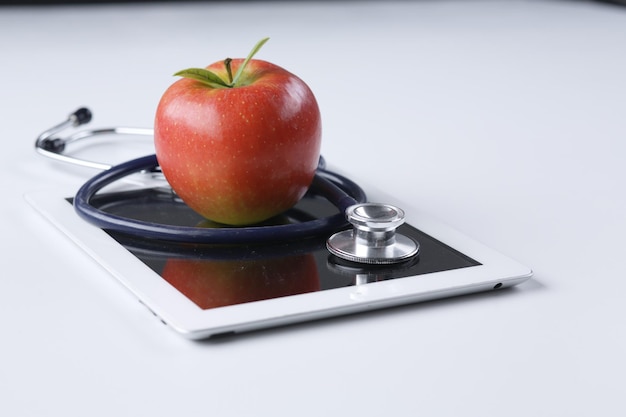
(337, 189)
(53, 146)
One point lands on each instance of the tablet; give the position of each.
(202, 291)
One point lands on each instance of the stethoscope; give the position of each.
(372, 240)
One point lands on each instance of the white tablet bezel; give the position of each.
(185, 317)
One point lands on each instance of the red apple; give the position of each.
(238, 149)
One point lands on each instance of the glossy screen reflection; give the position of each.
(215, 276)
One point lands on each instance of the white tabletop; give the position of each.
(504, 119)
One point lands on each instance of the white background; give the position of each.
(504, 119)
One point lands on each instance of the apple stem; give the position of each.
(229, 71)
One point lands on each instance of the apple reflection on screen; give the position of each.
(218, 283)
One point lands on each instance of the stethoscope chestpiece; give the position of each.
(373, 239)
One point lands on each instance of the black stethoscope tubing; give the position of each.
(337, 189)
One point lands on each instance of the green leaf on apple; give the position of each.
(204, 76)
(215, 81)
(252, 53)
